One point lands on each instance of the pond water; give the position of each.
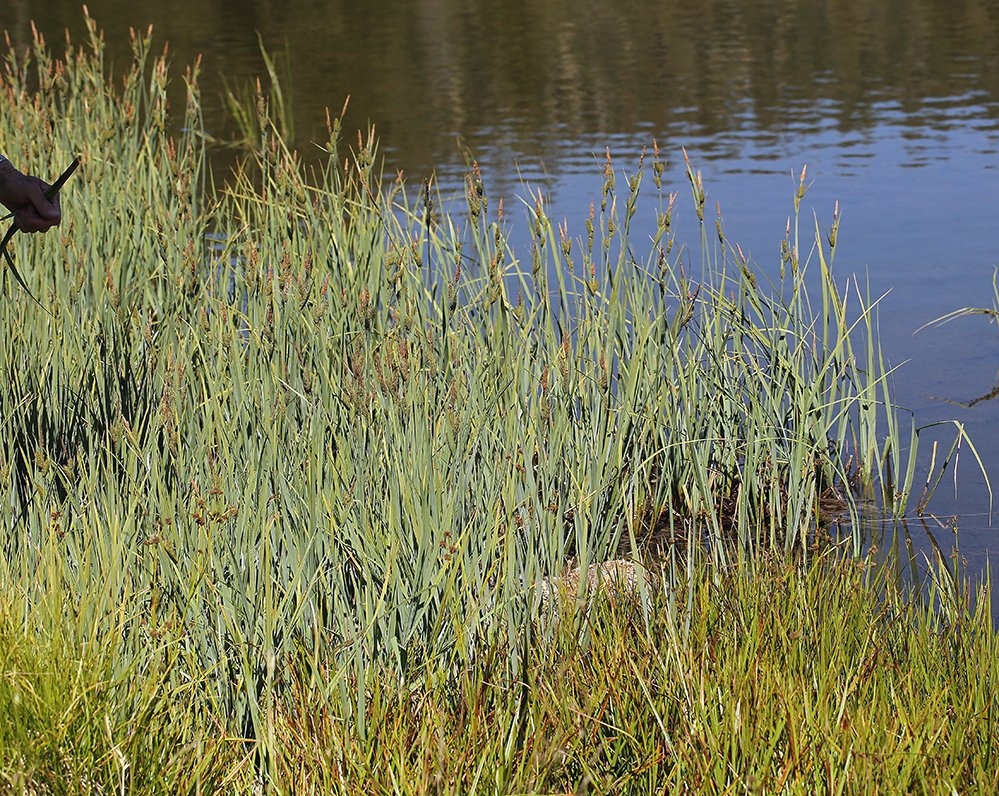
(892, 104)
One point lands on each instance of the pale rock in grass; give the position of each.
(618, 578)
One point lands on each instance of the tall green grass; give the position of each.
(304, 431)
(816, 679)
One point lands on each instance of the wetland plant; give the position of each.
(299, 446)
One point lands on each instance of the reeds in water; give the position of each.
(298, 434)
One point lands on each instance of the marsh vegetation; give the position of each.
(293, 457)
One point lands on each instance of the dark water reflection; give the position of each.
(538, 76)
(893, 105)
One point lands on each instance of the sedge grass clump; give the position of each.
(77, 716)
(307, 426)
(821, 678)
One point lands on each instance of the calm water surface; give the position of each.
(894, 107)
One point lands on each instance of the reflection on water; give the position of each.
(893, 105)
(535, 77)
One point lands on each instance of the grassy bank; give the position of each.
(823, 679)
(295, 460)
